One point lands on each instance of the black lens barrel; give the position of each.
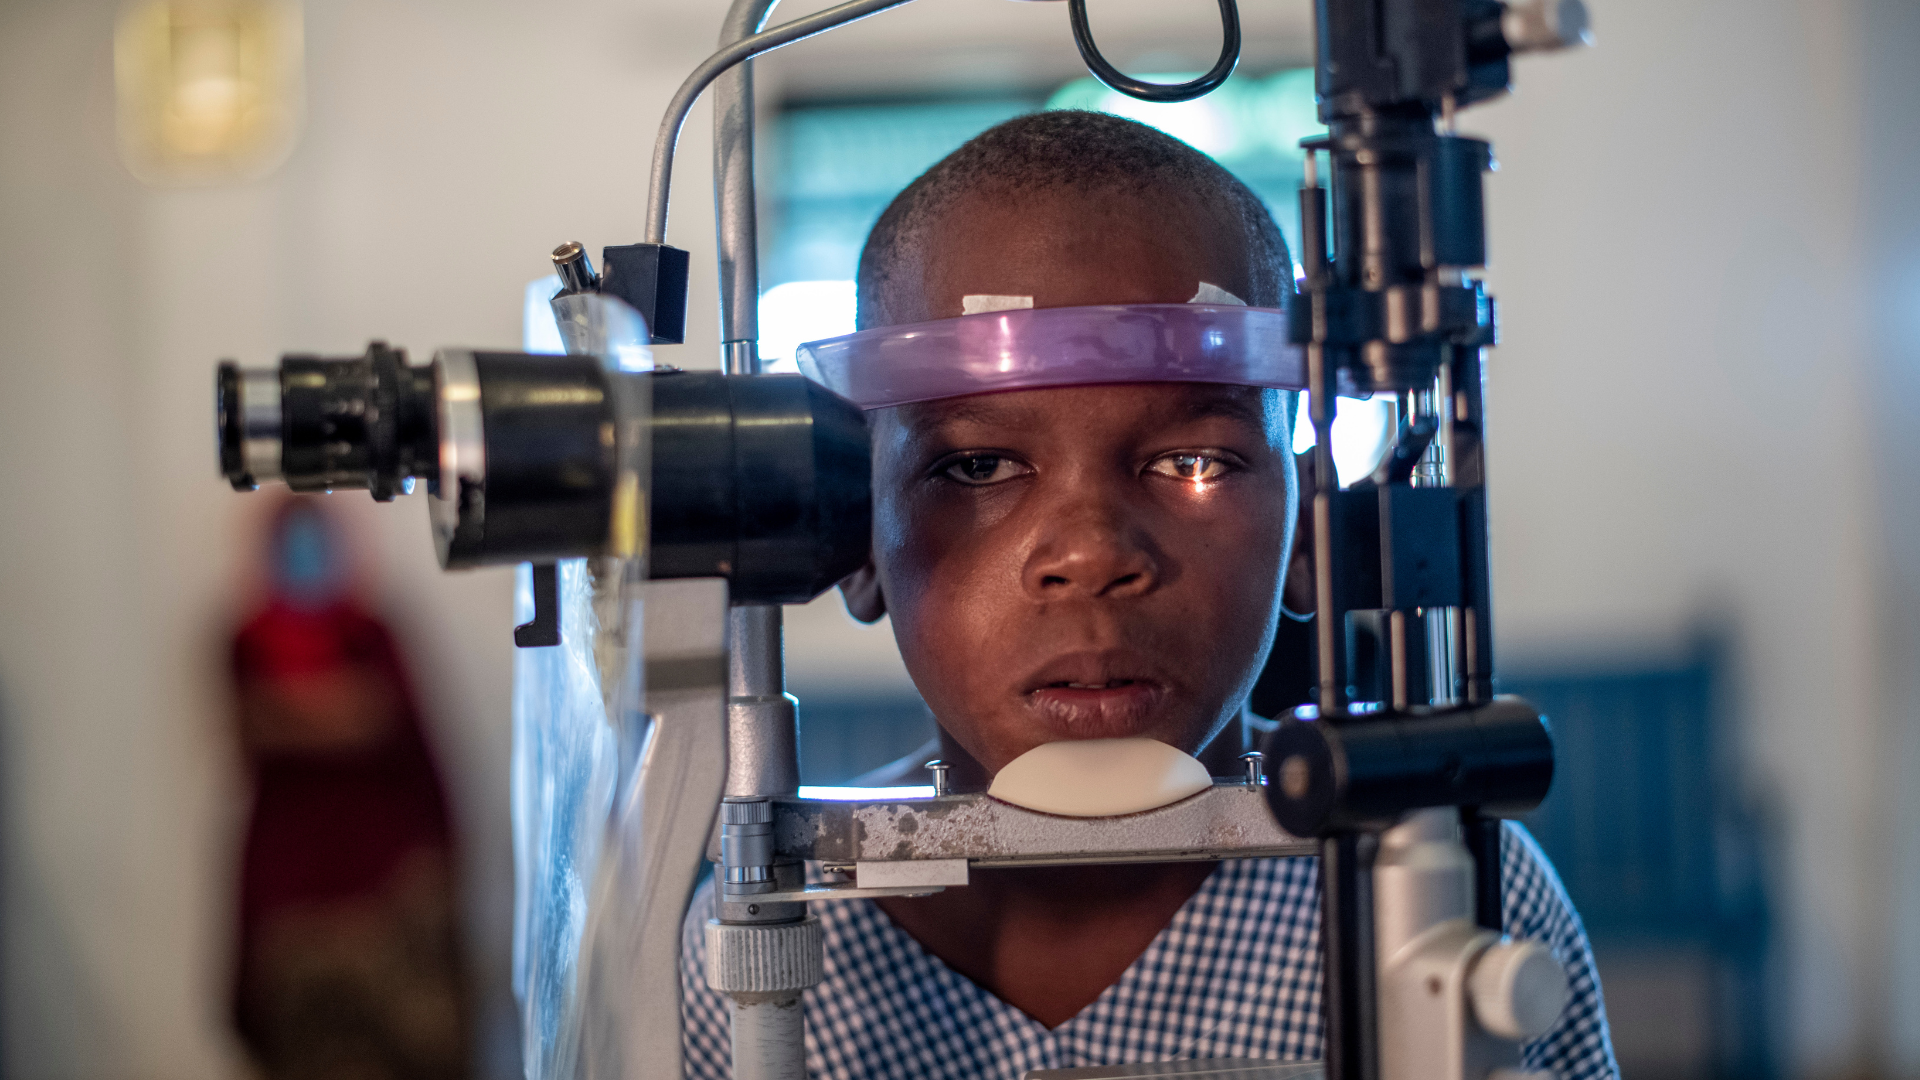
(550, 461)
(763, 480)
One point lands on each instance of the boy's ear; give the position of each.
(861, 590)
(1296, 590)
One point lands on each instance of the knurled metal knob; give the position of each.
(744, 810)
(762, 958)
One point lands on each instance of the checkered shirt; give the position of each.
(1235, 974)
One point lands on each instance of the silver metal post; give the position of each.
(1448, 664)
(765, 1029)
(1255, 762)
(763, 746)
(942, 780)
(761, 955)
(1439, 626)
(763, 749)
(733, 195)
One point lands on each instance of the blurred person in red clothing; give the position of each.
(349, 956)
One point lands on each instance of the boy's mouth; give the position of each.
(1093, 704)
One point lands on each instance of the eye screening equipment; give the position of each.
(701, 502)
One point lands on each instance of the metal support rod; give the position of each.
(735, 210)
(1329, 619)
(1322, 384)
(766, 1020)
(1442, 661)
(763, 755)
(763, 750)
(1397, 656)
(1463, 405)
(765, 1030)
(1347, 994)
(1466, 463)
(712, 68)
(1443, 624)
(1436, 625)
(1481, 835)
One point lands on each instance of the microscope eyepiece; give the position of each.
(247, 410)
(322, 424)
(762, 479)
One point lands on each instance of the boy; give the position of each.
(1089, 561)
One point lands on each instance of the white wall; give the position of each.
(1708, 341)
(449, 147)
(1684, 425)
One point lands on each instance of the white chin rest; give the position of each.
(1099, 777)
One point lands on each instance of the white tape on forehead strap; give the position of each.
(1005, 343)
(1213, 294)
(981, 303)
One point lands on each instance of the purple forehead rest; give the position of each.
(1029, 348)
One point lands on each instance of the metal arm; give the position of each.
(629, 989)
(712, 68)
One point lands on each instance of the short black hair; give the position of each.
(1074, 149)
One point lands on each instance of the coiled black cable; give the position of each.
(1164, 93)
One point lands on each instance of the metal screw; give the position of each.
(575, 269)
(1254, 761)
(941, 785)
(836, 868)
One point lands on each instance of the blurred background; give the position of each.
(1706, 243)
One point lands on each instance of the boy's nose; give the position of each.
(1090, 556)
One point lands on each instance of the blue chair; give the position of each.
(1663, 858)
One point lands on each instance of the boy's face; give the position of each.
(1079, 562)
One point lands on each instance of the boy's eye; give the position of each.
(1194, 468)
(983, 469)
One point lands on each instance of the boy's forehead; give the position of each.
(1066, 247)
(1138, 408)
